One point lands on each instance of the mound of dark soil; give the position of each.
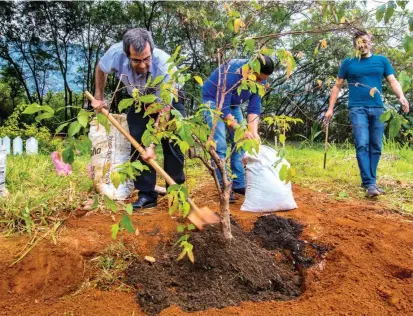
(282, 234)
(278, 233)
(225, 273)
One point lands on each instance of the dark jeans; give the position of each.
(173, 157)
(368, 136)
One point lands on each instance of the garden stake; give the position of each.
(325, 146)
(198, 216)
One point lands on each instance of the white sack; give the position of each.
(265, 192)
(111, 150)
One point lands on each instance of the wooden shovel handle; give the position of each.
(134, 143)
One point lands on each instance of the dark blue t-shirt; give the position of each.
(234, 77)
(362, 75)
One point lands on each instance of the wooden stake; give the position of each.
(325, 145)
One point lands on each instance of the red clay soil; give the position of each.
(368, 270)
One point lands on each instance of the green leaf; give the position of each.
(249, 44)
(83, 117)
(180, 228)
(411, 24)
(61, 127)
(95, 202)
(139, 165)
(32, 108)
(47, 109)
(282, 139)
(239, 134)
(183, 146)
(157, 80)
(149, 98)
(153, 108)
(68, 155)
(115, 178)
(115, 230)
(129, 209)
(44, 115)
(380, 12)
(102, 119)
(110, 204)
(190, 227)
(187, 208)
(283, 172)
(408, 44)
(125, 103)
(253, 87)
(256, 66)
(74, 128)
(395, 126)
(147, 138)
(267, 51)
(389, 11)
(173, 57)
(402, 4)
(404, 80)
(127, 224)
(84, 144)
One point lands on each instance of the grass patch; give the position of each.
(40, 198)
(37, 195)
(341, 178)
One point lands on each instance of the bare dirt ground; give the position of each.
(367, 271)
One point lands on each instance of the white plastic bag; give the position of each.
(265, 192)
(108, 152)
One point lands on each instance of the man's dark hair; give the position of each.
(267, 65)
(359, 34)
(137, 38)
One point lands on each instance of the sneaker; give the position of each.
(381, 191)
(372, 191)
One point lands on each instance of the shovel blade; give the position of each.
(203, 216)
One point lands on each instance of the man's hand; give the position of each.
(231, 121)
(98, 105)
(251, 135)
(150, 153)
(163, 116)
(328, 115)
(404, 103)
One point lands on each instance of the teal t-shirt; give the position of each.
(362, 75)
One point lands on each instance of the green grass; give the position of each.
(341, 178)
(37, 195)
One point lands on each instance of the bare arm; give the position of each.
(253, 122)
(397, 89)
(333, 97)
(100, 83)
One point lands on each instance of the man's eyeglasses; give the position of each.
(135, 61)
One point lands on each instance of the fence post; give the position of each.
(32, 146)
(6, 144)
(17, 146)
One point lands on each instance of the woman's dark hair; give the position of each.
(267, 65)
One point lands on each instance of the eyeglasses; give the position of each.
(135, 61)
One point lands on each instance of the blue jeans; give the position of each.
(221, 132)
(368, 136)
